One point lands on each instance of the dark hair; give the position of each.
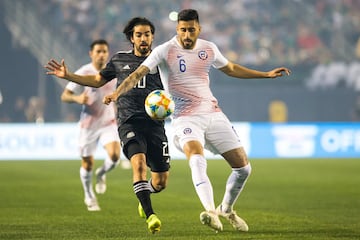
(188, 15)
(129, 28)
(98, 41)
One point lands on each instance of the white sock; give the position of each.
(107, 166)
(86, 180)
(201, 181)
(152, 189)
(234, 185)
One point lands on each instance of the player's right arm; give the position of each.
(127, 84)
(61, 71)
(70, 97)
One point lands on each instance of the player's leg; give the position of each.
(198, 165)
(224, 139)
(113, 155)
(110, 140)
(142, 190)
(241, 170)
(158, 158)
(87, 148)
(189, 138)
(90, 200)
(134, 148)
(157, 183)
(140, 183)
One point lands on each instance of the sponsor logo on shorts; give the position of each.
(130, 134)
(187, 131)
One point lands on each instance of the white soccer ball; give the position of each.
(159, 105)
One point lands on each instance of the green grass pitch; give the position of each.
(283, 199)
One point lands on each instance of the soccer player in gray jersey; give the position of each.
(143, 139)
(184, 63)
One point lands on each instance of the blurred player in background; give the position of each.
(97, 124)
(184, 63)
(143, 139)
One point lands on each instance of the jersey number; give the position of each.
(182, 65)
(165, 149)
(141, 83)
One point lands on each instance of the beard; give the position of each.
(188, 44)
(143, 49)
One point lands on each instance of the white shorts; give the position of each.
(214, 131)
(89, 138)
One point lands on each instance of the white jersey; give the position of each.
(94, 114)
(185, 74)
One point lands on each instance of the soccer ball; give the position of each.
(159, 105)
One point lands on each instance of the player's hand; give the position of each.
(56, 68)
(278, 72)
(110, 98)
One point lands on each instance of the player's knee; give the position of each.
(88, 167)
(160, 187)
(87, 163)
(159, 184)
(114, 156)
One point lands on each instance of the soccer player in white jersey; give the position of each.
(184, 63)
(97, 124)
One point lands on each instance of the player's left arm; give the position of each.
(127, 84)
(238, 71)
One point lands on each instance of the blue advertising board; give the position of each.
(309, 140)
(260, 140)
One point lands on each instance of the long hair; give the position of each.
(129, 28)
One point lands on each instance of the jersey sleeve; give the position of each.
(155, 57)
(219, 61)
(109, 72)
(74, 87)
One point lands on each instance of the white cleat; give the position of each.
(237, 222)
(212, 220)
(92, 204)
(100, 186)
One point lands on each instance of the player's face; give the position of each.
(142, 39)
(188, 32)
(99, 55)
